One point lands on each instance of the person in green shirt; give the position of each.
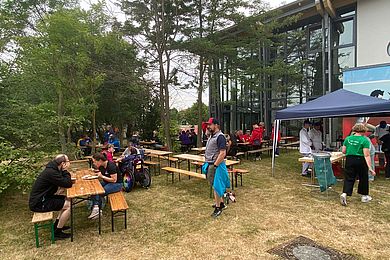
(356, 147)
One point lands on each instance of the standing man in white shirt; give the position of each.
(305, 144)
(315, 136)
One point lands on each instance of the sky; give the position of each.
(179, 98)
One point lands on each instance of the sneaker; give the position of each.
(258, 159)
(366, 198)
(222, 206)
(276, 155)
(59, 235)
(97, 215)
(94, 213)
(217, 212)
(343, 199)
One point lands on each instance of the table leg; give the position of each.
(100, 220)
(159, 165)
(189, 168)
(71, 220)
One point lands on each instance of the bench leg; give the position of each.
(241, 178)
(36, 235)
(112, 221)
(125, 218)
(53, 241)
(235, 179)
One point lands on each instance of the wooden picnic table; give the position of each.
(199, 149)
(334, 157)
(199, 158)
(159, 153)
(82, 190)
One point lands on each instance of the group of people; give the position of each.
(310, 140)
(188, 139)
(48, 192)
(360, 148)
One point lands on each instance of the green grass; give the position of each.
(172, 221)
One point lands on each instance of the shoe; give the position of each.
(94, 213)
(217, 212)
(59, 235)
(276, 155)
(63, 228)
(222, 206)
(97, 215)
(366, 198)
(258, 159)
(343, 199)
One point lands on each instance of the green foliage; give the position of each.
(189, 116)
(18, 167)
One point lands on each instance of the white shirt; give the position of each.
(379, 132)
(316, 137)
(304, 141)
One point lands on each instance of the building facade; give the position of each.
(328, 37)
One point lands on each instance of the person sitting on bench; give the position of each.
(44, 198)
(110, 179)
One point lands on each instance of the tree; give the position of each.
(158, 24)
(190, 115)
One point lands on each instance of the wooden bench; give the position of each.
(172, 171)
(118, 207)
(266, 149)
(238, 173)
(198, 165)
(154, 164)
(37, 220)
(293, 145)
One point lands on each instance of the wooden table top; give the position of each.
(157, 152)
(246, 143)
(82, 187)
(201, 149)
(334, 157)
(199, 158)
(147, 142)
(287, 138)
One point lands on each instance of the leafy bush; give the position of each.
(19, 167)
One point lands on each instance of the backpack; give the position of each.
(128, 181)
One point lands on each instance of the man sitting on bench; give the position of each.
(43, 196)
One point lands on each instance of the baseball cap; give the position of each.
(212, 121)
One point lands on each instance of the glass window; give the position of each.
(343, 58)
(343, 33)
(315, 38)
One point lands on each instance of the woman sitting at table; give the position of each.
(109, 153)
(110, 179)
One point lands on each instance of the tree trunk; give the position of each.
(200, 103)
(94, 129)
(60, 114)
(69, 134)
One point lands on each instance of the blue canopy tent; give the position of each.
(340, 103)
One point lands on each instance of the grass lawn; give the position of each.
(172, 221)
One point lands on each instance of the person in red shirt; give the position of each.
(109, 153)
(277, 141)
(256, 137)
(246, 137)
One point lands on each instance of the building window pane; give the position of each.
(343, 58)
(343, 33)
(315, 39)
